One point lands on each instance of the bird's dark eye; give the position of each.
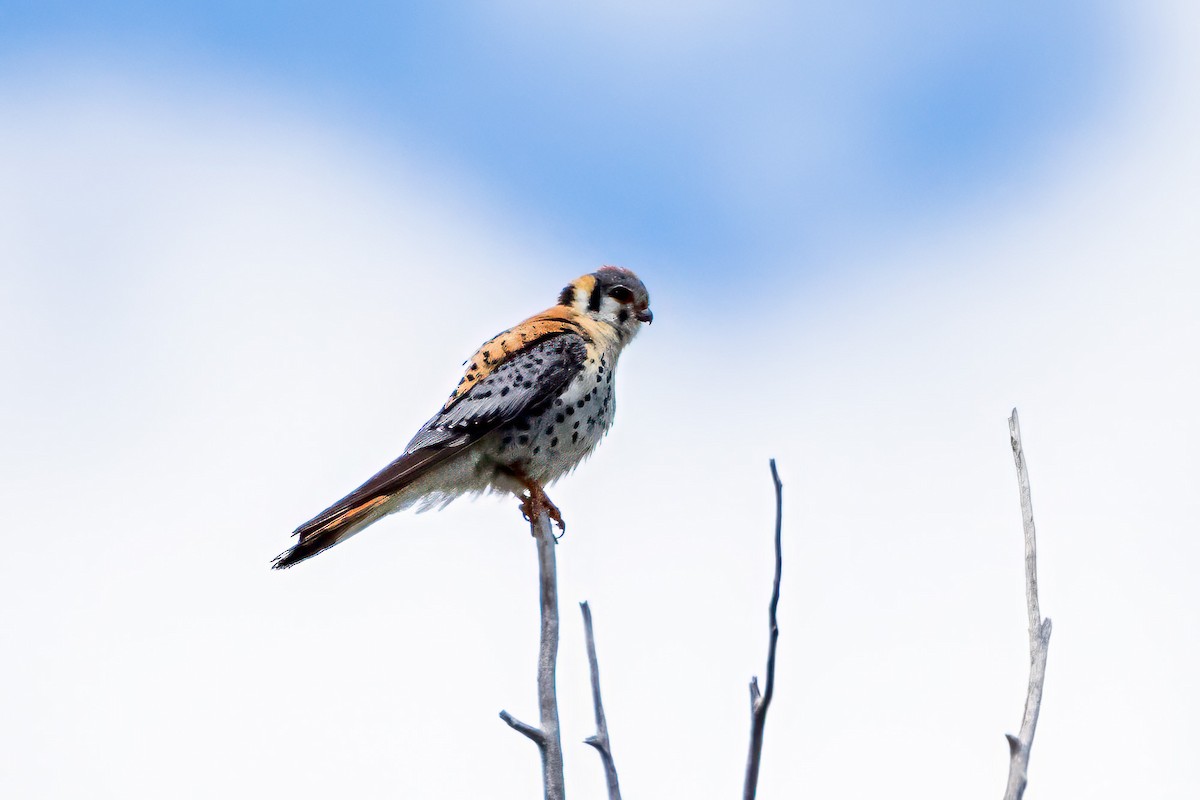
(621, 294)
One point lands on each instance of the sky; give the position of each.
(244, 249)
(697, 135)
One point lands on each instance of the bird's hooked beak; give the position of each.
(645, 315)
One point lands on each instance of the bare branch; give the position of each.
(600, 739)
(546, 737)
(1039, 630)
(524, 728)
(759, 702)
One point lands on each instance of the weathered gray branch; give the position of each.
(1039, 630)
(600, 739)
(546, 737)
(760, 702)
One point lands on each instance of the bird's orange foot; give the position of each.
(537, 502)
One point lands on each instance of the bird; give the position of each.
(535, 401)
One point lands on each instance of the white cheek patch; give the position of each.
(610, 309)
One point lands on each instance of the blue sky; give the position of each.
(764, 132)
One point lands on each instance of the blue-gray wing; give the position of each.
(523, 383)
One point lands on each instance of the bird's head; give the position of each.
(613, 295)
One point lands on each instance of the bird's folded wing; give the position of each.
(521, 384)
(525, 382)
(515, 341)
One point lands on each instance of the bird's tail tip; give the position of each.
(311, 543)
(287, 559)
(326, 530)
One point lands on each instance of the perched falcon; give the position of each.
(535, 401)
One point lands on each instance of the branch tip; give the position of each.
(524, 728)
(761, 701)
(1039, 629)
(599, 740)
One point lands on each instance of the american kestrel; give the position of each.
(535, 401)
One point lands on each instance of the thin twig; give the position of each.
(760, 702)
(1039, 631)
(546, 737)
(600, 739)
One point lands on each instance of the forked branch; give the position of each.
(600, 739)
(547, 736)
(761, 701)
(1020, 745)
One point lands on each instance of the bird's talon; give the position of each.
(526, 508)
(535, 502)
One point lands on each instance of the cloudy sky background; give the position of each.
(244, 248)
